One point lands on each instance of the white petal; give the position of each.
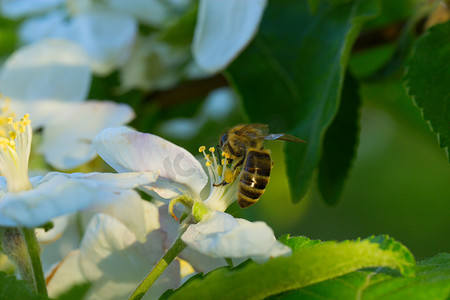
(199, 261)
(221, 235)
(48, 70)
(55, 196)
(41, 112)
(111, 255)
(138, 215)
(67, 137)
(70, 240)
(20, 8)
(223, 30)
(128, 150)
(107, 37)
(103, 236)
(65, 275)
(130, 180)
(40, 27)
(153, 64)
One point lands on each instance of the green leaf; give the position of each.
(340, 143)
(298, 242)
(427, 80)
(291, 75)
(432, 281)
(304, 267)
(12, 289)
(76, 292)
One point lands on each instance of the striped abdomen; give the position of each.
(255, 177)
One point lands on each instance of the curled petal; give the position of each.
(59, 225)
(127, 150)
(223, 30)
(48, 70)
(221, 235)
(68, 135)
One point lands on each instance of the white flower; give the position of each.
(115, 262)
(106, 30)
(50, 80)
(180, 174)
(30, 202)
(223, 30)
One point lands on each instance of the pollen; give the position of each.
(208, 164)
(212, 149)
(201, 149)
(228, 176)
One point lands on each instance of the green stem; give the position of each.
(22, 247)
(34, 254)
(158, 269)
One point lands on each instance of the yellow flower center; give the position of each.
(224, 180)
(15, 146)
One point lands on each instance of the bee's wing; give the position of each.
(284, 137)
(255, 130)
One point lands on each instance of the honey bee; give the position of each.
(244, 145)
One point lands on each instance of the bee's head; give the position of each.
(223, 140)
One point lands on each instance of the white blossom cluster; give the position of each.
(104, 231)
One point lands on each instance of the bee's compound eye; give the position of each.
(223, 140)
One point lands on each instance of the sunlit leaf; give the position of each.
(427, 80)
(304, 267)
(432, 281)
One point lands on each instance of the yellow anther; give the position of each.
(212, 149)
(226, 155)
(201, 149)
(12, 143)
(223, 161)
(208, 163)
(228, 176)
(26, 116)
(10, 121)
(13, 135)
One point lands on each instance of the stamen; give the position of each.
(228, 176)
(202, 149)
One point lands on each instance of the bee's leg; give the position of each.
(239, 163)
(236, 165)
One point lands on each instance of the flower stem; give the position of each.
(35, 259)
(22, 247)
(158, 269)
